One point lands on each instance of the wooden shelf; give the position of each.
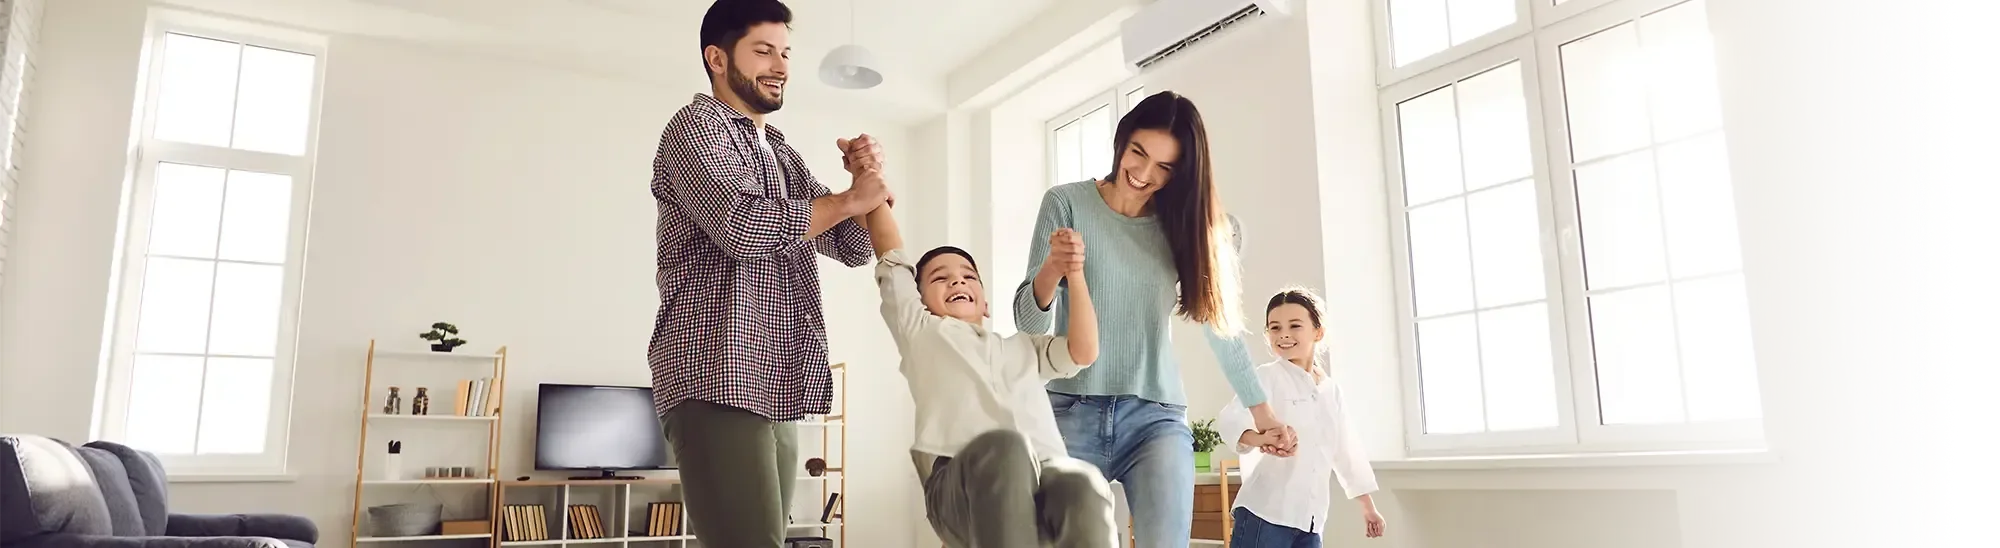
(369, 416)
(426, 354)
(589, 483)
(444, 418)
(424, 537)
(431, 481)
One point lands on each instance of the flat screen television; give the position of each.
(607, 429)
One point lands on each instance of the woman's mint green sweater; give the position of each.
(1133, 285)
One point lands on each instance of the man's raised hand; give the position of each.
(859, 154)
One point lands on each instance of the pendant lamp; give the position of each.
(850, 66)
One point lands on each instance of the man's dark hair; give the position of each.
(728, 20)
(944, 250)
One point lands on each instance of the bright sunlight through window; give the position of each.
(202, 361)
(1602, 299)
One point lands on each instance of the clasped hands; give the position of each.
(1271, 436)
(862, 157)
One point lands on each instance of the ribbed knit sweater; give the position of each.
(1133, 284)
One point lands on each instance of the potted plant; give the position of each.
(442, 337)
(1205, 440)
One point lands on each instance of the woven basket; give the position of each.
(405, 520)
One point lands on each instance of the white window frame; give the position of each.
(1534, 41)
(137, 227)
(1117, 98)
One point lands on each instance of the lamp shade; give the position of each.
(850, 67)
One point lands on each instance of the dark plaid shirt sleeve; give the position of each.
(724, 195)
(846, 242)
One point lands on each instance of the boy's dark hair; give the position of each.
(1299, 296)
(728, 20)
(944, 250)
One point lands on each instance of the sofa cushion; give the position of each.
(45, 487)
(117, 490)
(149, 483)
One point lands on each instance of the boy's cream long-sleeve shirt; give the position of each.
(966, 380)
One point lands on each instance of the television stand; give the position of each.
(606, 475)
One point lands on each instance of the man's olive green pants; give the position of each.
(738, 471)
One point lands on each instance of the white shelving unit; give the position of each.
(441, 401)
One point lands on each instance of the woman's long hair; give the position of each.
(1190, 212)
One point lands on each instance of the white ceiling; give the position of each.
(918, 42)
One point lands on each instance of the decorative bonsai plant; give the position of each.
(442, 337)
(1205, 440)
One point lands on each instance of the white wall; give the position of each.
(1859, 181)
(510, 199)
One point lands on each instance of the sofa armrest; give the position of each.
(281, 526)
(65, 540)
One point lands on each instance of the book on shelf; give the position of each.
(476, 398)
(585, 522)
(664, 519)
(524, 522)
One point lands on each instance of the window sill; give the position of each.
(1583, 460)
(231, 478)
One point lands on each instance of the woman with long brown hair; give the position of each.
(1160, 246)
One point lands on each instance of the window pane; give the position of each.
(173, 305)
(235, 406)
(1440, 259)
(187, 209)
(1716, 358)
(197, 90)
(274, 100)
(1069, 163)
(1474, 18)
(1429, 130)
(254, 220)
(1448, 363)
(1493, 112)
(1096, 142)
(1506, 245)
(1618, 205)
(1700, 209)
(1680, 59)
(1132, 98)
(1604, 80)
(1518, 370)
(246, 309)
(165, 403)
(1417, 29)
(1638, 377)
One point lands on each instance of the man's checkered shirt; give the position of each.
(740, 322)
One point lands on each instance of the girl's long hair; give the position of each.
(1190, 212)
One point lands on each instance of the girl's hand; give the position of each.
(1376, 526)
(1267, 422)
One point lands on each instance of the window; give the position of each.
(202, 347)
(1567, 254)
(1080, 140)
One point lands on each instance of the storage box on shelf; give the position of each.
(469, 394)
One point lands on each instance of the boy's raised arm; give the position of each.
(1083, 321)
(881, 223)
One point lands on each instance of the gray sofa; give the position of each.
(106, 495)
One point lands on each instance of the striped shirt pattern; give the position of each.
(740, 320)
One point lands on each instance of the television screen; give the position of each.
(608, 428)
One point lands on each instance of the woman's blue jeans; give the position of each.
(1145, 445)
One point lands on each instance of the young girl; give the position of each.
(1283, 502)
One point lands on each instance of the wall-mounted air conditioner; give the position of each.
(1166, 27)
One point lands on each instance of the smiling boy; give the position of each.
(987, 450)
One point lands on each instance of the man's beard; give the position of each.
(751, 93)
